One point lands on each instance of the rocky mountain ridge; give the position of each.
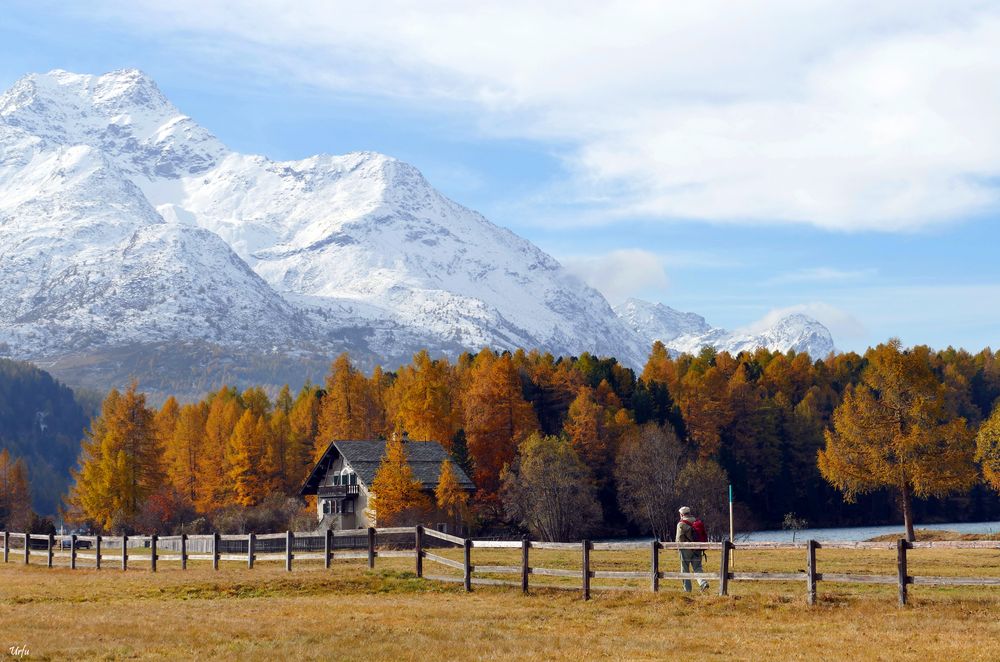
(125, 225)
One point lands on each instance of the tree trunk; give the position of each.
(905, 501)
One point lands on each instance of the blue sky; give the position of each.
(737, 163)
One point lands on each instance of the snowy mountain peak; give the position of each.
(793, 331)
(124, 222)
(689, 333)
(123, 114)
(660, 322)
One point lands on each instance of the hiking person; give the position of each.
(691, 529)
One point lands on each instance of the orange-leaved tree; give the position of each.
(121, 462)
(988, 448)
(183, 449)
(397, 496)
(449, 495)
(895, 430)
(246, 458)
(497, 419)
(586, 430)
(214, 488)
(15, 493)
(349, 409)
(423, 402)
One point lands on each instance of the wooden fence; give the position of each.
(287, 547)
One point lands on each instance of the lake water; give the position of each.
(864, 532)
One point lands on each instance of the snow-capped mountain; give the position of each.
(123, 223)
(689, 333)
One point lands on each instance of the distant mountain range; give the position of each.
(133, 242)
(689, 333)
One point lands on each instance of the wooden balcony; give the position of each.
(337, 490)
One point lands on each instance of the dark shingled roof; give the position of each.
(425, 458)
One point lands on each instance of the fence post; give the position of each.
(654, 566)
(288, 550)
(811, 571)
(901, 546)
(727, 546)
(468, 564)
(27, 548)
(251, 538)
(525, 568)
(152, 552)
(6, 546)
(418, 545)
(371, 547)
(124, 552)
(184, 551)
(50, 543)
(586, 569)
(97, 552)
(72, 551)
(215, 551)
(327, 548)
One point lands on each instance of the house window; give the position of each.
(326, 506)
(336, 479)
(349, 506)
(354, 479)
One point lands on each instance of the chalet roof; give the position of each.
(364, 456)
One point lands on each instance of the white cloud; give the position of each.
(848, 115)
(621, 273)
(844, 327)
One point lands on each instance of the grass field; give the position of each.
(349, 611)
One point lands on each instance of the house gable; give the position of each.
(364, 457)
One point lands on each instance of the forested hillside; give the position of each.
(42, 423)
(685, 426)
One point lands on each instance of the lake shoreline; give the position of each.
(862, 533)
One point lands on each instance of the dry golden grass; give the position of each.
(348, 611)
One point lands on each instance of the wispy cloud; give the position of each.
(841, 114)
(620, 274)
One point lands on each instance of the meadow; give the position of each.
(389, 613)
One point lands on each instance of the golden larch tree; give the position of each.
(182, 452)
(894, 430)
(660, 367)
(303, 420)
(704, 403)
(165, 421)
(585, 427)
(213, 489)
(497, 419)
(279, 457)
(422, 400)
(121, 463)
(451, 499)
(246, 459)
(397, 495)
(15, 493)
(349, 409)
(988, 448)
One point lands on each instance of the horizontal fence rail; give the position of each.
(148, 551)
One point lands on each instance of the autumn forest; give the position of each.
(570, 446)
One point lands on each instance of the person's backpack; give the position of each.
(698, 531)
